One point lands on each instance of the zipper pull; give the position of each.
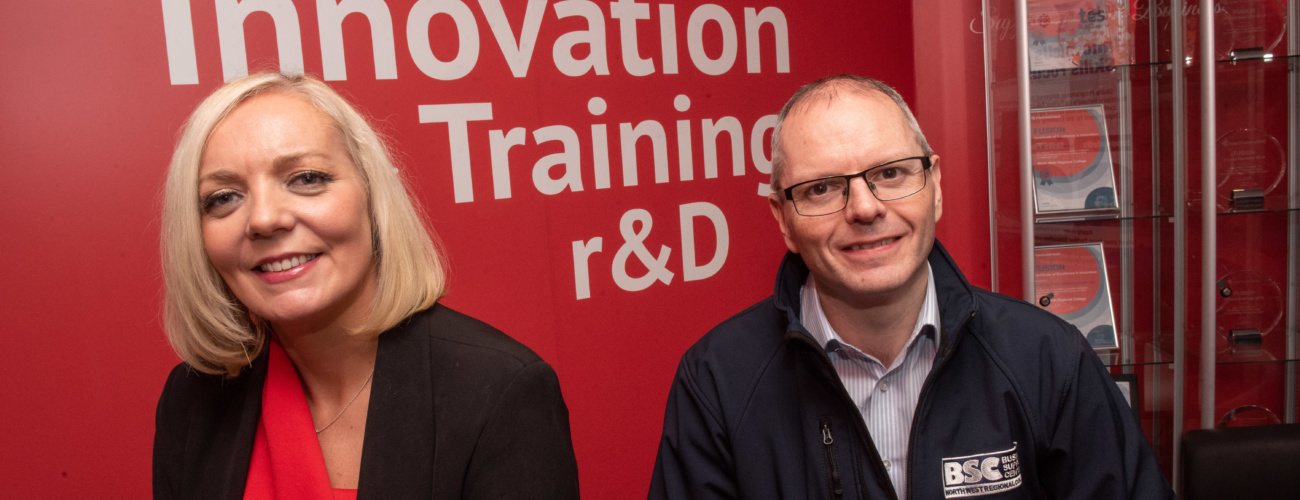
(837, 489)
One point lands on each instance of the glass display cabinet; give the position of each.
(1143, 186)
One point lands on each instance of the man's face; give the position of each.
(872, 251)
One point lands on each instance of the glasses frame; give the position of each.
(925, 167)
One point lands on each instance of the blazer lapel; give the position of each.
(222, 452)
(397, 457)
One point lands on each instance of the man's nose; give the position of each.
(862, 206)
(268, 213)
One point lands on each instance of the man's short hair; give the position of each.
(205, 323)
(828, 88)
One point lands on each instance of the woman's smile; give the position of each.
(282, 269)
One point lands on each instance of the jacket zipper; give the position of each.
(869, 447)
(828, 443)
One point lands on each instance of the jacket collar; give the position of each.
(955, 295)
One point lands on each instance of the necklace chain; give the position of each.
(349, 405)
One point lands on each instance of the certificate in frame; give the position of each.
(1071, 282)
(1066, 34)
(1072, 161)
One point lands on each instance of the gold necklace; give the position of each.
(349, 405)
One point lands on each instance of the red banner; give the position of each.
(595, 171)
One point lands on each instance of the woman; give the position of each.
(301, 290)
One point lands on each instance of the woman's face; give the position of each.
(285, 216)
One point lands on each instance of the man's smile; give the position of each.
(869, 246)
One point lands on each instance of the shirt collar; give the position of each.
(814, 318)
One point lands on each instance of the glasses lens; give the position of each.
(821, 196)
(896, 180)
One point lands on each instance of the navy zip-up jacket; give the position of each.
(1017, 405)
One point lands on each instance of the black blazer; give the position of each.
(458, 410)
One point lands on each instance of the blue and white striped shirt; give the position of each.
(886, 397)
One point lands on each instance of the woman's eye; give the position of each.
(309, 179)
(216, 204)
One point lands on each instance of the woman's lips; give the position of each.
(281, 269)
(285, 263)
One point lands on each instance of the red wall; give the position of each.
(949, 104)
(89, 114)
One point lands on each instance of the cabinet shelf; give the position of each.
(1161, 65)
(1142, 364)
(1247, 213)
(1095, 69)
(1256, 361)
(1067, 219)
(1269, 59)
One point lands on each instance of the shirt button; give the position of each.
(887, 466)
(884, 386)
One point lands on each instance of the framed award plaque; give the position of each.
(1072, 161)
(1071, 282)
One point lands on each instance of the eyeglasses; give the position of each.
(890, 181)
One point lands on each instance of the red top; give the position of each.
(287, 462)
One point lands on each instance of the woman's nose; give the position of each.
(268, 213)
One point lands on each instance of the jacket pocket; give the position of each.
(828, 445)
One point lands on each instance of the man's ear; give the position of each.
(938, 189)
(776, 203)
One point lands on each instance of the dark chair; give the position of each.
(1254, 463)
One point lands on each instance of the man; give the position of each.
(875, 370)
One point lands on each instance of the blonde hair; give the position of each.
(207, 326)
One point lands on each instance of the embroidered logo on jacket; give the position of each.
(982, 474)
